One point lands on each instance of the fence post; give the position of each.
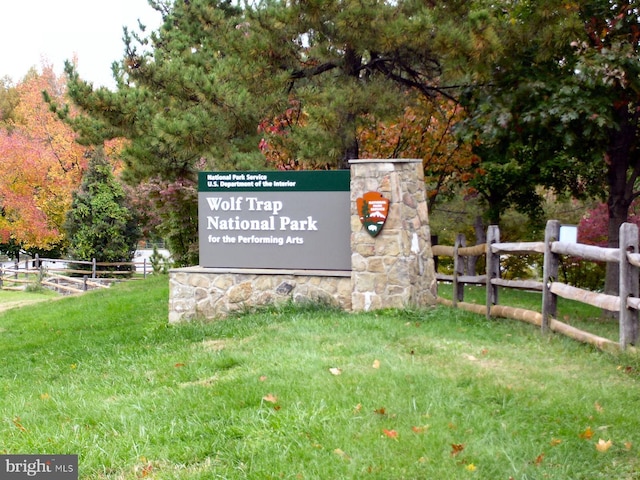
(629, 285)
(458, 269)
(549, 273)
(434, 241)
(93, 268)
(85, 287)
(493, 267)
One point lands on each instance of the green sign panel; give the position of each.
(275, 181)
(275, 219)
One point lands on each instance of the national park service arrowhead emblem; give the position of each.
(373, 209)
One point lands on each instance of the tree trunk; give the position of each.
(621, 186)
(349, 140)
(481, 237)
(348, 131)
(618, 212)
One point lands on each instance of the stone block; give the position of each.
(376, 265)
(358, 263)
(222, 281)
(240, 293)
(409, 200)
(365, 282)
(285, 288)
(199, 281)
(200, 294)
(365, 250)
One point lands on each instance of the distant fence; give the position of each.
(626, 304)
(67, 275)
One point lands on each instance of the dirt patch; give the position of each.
(214, 345)
(21, 303)
(205, 382)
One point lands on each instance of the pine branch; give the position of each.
(314, 71)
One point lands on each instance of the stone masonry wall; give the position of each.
(197, 292)
(394, 269)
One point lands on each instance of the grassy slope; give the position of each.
(103, 376)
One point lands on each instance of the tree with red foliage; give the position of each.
(594, 224)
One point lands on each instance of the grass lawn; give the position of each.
(309, 393)
(579, 315)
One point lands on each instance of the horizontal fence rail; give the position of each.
(67, 275)
(626, 304)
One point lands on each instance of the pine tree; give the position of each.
(213, 72)
(99, 224)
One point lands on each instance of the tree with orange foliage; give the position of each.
(42, 165)
(424, 131)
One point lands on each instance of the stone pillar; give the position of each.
(394, 269)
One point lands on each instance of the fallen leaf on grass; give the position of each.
(357, 408)
(335, 371)
(555, 441)
(271, 398)
(587, 434)
(456, 448)
(598, 407)
(627, 446)
(421, 429)
(539, 459)
(263, 378)
(376, 364)
(341, 454)
(146, 470)
(390, 433)
(603, 446)
(16, 422)
(178, 365)
(471, 467)
(380, 411)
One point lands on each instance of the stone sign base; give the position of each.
(198, 292)
(393, 270)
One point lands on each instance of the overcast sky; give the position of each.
(55, 30)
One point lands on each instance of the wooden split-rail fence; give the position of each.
(625, 305)
(67, 276)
